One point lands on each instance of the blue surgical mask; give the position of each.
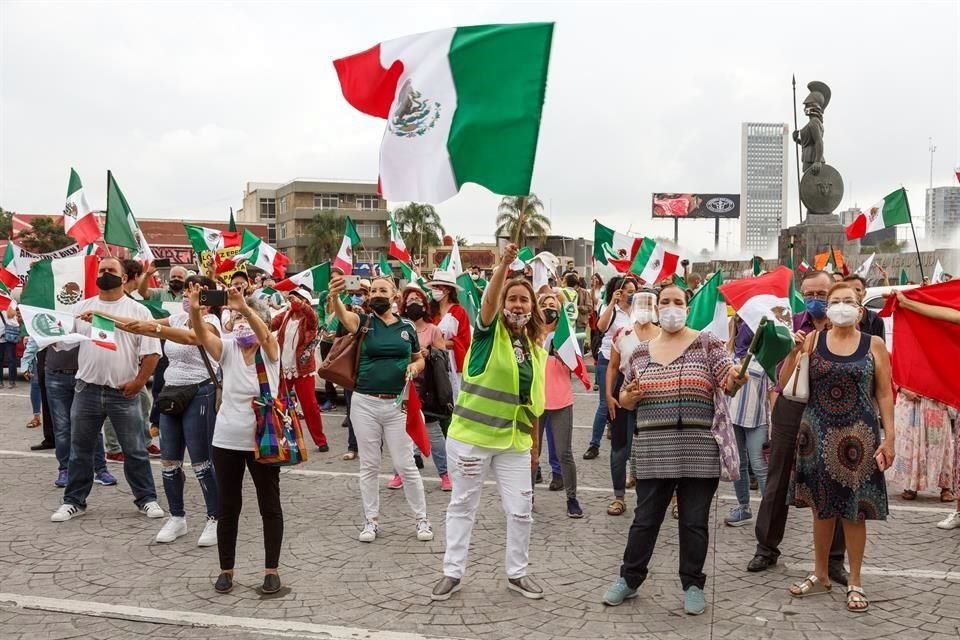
(357, 301)
(630, 299)
(817, 308)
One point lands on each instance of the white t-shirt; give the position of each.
(113, 368)
(236, 422)
(288, 351)
(186, 363)
(619, 319)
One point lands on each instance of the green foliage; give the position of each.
(417, 218)
(325, 232)
(45, 236)
(520, 218)
(6, 223)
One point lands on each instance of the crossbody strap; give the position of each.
(206, 361)
(262, 378)
(363, 333)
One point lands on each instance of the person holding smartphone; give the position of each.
(840, 458)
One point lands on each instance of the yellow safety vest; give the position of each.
(488, 412)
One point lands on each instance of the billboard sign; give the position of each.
(696, 205)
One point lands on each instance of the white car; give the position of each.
(875, 298)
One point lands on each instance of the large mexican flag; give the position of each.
(53, 287)
(461, 105)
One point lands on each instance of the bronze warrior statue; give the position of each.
(810, 138)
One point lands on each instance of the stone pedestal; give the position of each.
(814, 235)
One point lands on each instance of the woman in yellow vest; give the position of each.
(495, 425)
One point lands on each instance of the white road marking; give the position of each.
(273, 626)
(297, 471)
(925, 574)
(14, 395)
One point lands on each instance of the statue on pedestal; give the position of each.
(821, 187)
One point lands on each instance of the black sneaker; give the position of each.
(838, 573)
(323, 448)
(556, 483)
(539, 478)
(760, 563)
(525, 587)
(418, 460)
(591, 453)
(224, 583)
(445, 588)
(573, 508)
(271, 583)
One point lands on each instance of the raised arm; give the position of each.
(348, 319)
(202, 334)
(490, 306)
(929, 310)
(143, 287)
(268, 341)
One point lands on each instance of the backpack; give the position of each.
(11, 332)
(436, 394)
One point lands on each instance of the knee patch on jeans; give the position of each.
(202, 469)
(171, 470)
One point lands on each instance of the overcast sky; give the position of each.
(186, 102)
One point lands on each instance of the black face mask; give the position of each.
(413, 312)
(176, 286)
(550, 315)
(109, 281)
(379, 305)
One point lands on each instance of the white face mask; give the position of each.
(672, 319)
(843, 314)
(644, 316)
(438, 294)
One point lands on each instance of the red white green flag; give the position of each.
(317, 278)
(79, 221)
(9, 275)
(257, 253)
(566, 348)
(614, 248)
(890, 211)
(398, 249)
(653, 263)
(351, 239)
(461, 105)
(52, 288)
(102, 330)
(121, 228)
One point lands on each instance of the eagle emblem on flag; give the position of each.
(69, 293)
(414, 115)
(70, 210)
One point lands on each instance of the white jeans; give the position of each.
(378, 421)
(468, 466)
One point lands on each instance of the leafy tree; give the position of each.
(461, 241)
(420, 227)
(45, 236)
(6, 223)
(325, 233)
(521, 218)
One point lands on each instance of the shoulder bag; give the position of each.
(278, 439)
(798, 386)
(343, 360)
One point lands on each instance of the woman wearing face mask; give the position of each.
(614, 317)
(559, 403)
(623, 423)
(414, 307)
(672, 382)
(453, 322)
(495, 425)
(251, 346)
(839, 459)
(389, 356)
(192, 430)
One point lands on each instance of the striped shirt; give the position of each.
(676, 412)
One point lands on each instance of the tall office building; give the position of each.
(942, 215)
(763, 184)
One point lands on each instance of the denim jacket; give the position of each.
(30, 356)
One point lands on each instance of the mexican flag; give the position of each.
(766, 296)
(904, 280)
(257, 253)
(803, 267)
(680, 282)
(9, 274)
(890, 211)
(317, 278)
(797, 303)
(344, 259)
(708, 309)
(102, 331)
(5, 301)
(385, 268)
(937, 276)
(231, 237)
(566, 348)
(470, 297)
(398, 249)
(53, 287)
(757, 265)
(452, 262)
(461, 105)
(612, 245)
(155, 307)
(412, 276)
(864, 269)
(416, 424)
(121, 228)
(524, 256)
(207, 239)
(79, 221)
(653, 263)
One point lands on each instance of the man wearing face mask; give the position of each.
(108, 382)
(870, 323)
(297, 334)
(785, 424)
(174, 290)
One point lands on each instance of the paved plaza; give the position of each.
(102, 576)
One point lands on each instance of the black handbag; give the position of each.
(173, 400)
(436, 394)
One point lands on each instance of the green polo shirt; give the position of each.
(385, 354)
(164, 295)
(482, 347)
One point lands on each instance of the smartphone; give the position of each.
(881, 459)
(213, 297)
(161, 263)
(352, 282)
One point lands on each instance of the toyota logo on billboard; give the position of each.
(720, 205)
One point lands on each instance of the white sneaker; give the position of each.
(152, 510)
(952, 521)
(173, 528)
(369, 533)
(209, 536)
(424, 531)
(66, 512)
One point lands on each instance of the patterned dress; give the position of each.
(835, 471)
(924, 444)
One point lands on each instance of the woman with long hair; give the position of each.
(495, 425)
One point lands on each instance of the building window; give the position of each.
(283, 231)
(368, 202)
(326, 201)
(271, 234)
(268, 209)
(368, 255)
(369, 230)
(283, 206)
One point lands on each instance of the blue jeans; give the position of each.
(551, 447)
(92, 404)
(750, 443)
(35, 399)
(60, 396)
(8, 358)
(191, 432)
(620, 457)
(600, 418)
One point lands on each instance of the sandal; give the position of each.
(811, 586)
(946, 495)
(616, 508)
(349, 455)
(908, 494)
(856, 600)
(33, 424)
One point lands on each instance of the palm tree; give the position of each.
(326, 233)
(420, 226)
(520, 218)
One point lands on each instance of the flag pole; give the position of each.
(751, 350)
(914, 230)
(796, 148)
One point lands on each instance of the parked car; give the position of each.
(875, 298)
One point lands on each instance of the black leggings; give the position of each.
(228, 465)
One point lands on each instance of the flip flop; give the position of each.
(855, 596)
(810, 586)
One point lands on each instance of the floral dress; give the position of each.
(925, 445)
(835, 471)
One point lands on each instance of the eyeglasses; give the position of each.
(855, 303)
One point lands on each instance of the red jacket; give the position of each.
(306, 334)
(461, 341)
